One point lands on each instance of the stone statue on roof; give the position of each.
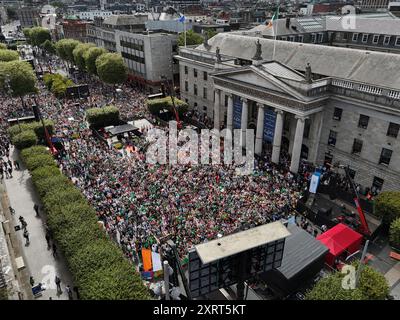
(258, 53)
(205, 43)
(218, 55)
(308, 74)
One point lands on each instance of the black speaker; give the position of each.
(36, 112)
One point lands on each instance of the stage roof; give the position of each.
(121, 129)
(301, 249)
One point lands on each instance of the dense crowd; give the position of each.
(139, 202)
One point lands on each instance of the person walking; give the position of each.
(54, 251)
(57, 280)
(32, 281)
(26, 236)
(69, 292)
(47, 236)
(76, 290)
(36, 208)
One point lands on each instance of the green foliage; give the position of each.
(49, 47)
(394, 233)
(27, 34)
(8, 55)
(3, 46)
(111, 68)
(79, 52)
(372, 286)
(102, 117)
(40, 160)
(38, 36)
(90, 56)
(155, 106)
(57, 83)
(65, 48)
(25, 139)
(22, 78)
(37, 127)
(99, 268)
(387, 206)
(3, 294)
(192, 38)
(211, 33)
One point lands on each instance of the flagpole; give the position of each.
(184, 29)
(274, 33)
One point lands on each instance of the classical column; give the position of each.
(260, 129)
(276, 147)
(298, 141)
(229, 118)
(217, 94)
(244, 121)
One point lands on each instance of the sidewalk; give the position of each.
(38, 259)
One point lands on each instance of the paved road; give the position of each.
(40, 261)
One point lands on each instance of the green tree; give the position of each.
(65, 48)
(372, 286)
(387, 206)
(49, 47)
(90, 57)
(8, 55)
(394, 233)
(211, 33)
(3, 46)
(21, 77)
(39, 35)
(111, 68)
(192, 38)
(79, 52)
(27, 33)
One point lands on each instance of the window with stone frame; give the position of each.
(204, 93)
(355, 37)
(195, 89)
(363, 121)
(186, 86)
(393, 130)
(357, 146)
(307, 126)
(375, 39)
(195, 72)
(205, 76)
(337, 114)
(386, 155)
(332, 138)
(186, 70)
(386, 40)
(377, 183)
(364, 38)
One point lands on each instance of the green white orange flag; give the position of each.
(274, 17)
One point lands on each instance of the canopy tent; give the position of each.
(121, 129)
(340, 240)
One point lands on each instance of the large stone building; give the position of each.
(348, 113)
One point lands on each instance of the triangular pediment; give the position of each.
(254, 77)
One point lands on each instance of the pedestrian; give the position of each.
(57, 280)
(16, 165)
(32, 281)
(10, 171)
(36, 208)
(47, 236)
(69, 291)
(26, 236)
(76, 290)
(54, 251)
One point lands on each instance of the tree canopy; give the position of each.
(372, 286)
(8, 55)
(49, 47)
(79, 52)
(22, 78)
(387, 206)
(192, 38)
(3, 46)
(38, 36)
(91, 56)
(111, 68)
(65, 48)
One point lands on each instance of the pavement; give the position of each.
(43, 267)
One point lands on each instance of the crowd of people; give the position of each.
(139, 202)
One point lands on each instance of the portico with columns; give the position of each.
(274, 92)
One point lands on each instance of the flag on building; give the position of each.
(182, 18)
(274, 17)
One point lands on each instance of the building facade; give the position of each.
(345, 113)
(28, 17)
(75, 29)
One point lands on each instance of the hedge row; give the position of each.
(37, 127)
(394, 233)
(102, 117)
(24, 139)
(57, 83)
(99, 267)
(155, 106)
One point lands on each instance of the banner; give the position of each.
(314, 182)
(146, 257)
(237, 112)
(269, 125)
(157, 266)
